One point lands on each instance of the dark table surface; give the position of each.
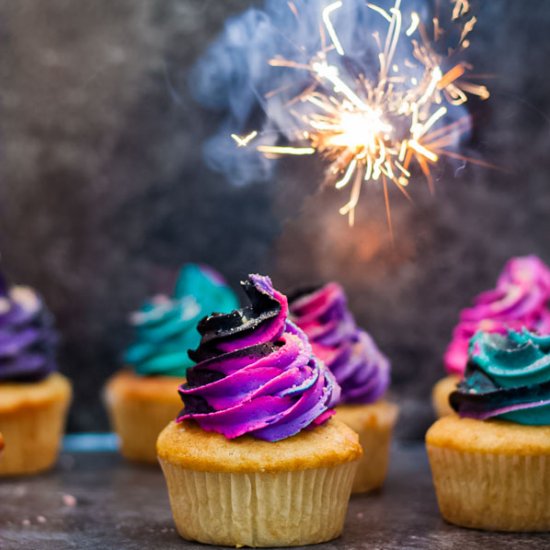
(97, 501)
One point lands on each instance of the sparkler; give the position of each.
(377, 129)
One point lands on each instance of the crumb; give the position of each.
(360, 515)
(69, 500)
(26, 522)
(40, 519)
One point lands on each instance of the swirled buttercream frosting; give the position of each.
(520, 299)
(256, 373)
(28, 340)
(166, 326)
(507, 377)
(360, 368)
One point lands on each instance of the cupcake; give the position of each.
(34, 398)
(520, 299)
(491, 463)
(143, 398)
(255, 458)
(360, 369)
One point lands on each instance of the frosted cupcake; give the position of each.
(34, 397)
(361, 370)
(491, 463)
(255, 459)
(143, 398)
(520, 299)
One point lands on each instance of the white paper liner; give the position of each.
(260, 509)
(495, 492)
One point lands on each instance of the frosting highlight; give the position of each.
(256, 373)
(520, 299)
(28, 340)
(350, 353)
(507, 377)
(166, 325)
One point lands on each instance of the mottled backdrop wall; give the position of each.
(103, 193)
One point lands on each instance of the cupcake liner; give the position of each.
(138, 419)
(260, 509)
(497, 492)
(440, 395)
(32, 431)
(374, 424)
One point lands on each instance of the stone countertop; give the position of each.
(98, 501)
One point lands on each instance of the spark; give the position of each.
(245, 140)
(274, 150)
(330, 28)
(376, 129)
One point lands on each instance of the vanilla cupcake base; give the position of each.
(32, 421)
(440, 395)
(374, 424)
(247, 492)
(491, 475)
(139, 408)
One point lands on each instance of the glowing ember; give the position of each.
(375, 129)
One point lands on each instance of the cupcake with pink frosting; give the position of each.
(520, 300)
(360, 368)
(255, 450)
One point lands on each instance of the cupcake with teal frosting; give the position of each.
(491, 461)
(142, 398)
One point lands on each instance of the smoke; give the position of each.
(234, 76)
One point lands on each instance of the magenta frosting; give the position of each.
(360, 368)
(519, 300)
(256, 373)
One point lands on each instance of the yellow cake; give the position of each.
(139, 408)
(374, 424)
(440, 395)
(32, 420)
(246, 492)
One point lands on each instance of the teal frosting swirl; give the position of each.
(507, 377)
(166, 326)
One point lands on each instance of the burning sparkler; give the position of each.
(368, 125)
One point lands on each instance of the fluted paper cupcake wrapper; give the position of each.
(495, 492)
(260, 509)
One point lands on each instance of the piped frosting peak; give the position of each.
(28, 340)
(166, 326)
(256, 373)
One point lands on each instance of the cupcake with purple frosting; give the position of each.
(361, 370)
(255, 450)
(34, 397)
(520, 300)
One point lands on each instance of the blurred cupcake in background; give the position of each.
(519, 300)
(34, 397)
(491, 461)
(255, 458)
(142, 398)
(360, 368)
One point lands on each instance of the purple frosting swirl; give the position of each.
(520, 300)
(360, 368)
(27, 337)
(256, 373)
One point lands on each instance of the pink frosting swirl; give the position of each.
(519, 300)
(360, 368)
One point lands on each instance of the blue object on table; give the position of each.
(91, 443)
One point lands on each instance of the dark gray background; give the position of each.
(103, 193)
